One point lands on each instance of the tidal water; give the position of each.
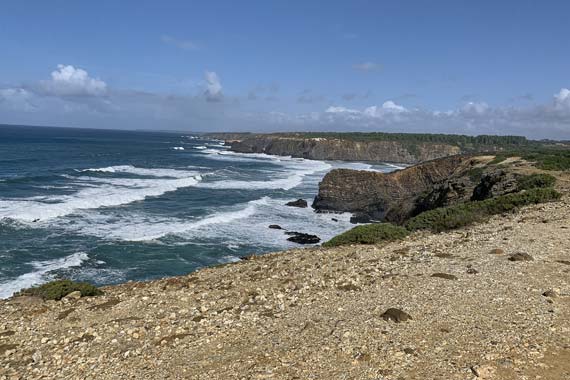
(112, 206)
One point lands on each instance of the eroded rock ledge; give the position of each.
(399, 195)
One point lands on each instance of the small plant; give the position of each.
(369, 234)
(56, 290)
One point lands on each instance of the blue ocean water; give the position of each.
(111, 206)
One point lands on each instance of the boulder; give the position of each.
(360, 217)
(298, 203)
(275, 227)
(303, 238)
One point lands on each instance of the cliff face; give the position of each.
(396, 196)
(345, 150)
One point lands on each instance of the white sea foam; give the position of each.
(201, 147)
(41, 273)
(158, 172)
(136, 227)
(178, 147)
(106, 192)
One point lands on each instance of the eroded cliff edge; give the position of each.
(399, 195)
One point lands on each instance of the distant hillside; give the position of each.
(381, 147)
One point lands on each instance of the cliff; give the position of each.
(398, 195)
(344, 149)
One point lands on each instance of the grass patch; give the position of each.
(369, 234)
(448, 218)
(56, 290)
(548, 158)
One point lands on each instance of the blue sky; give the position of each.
(408, 66)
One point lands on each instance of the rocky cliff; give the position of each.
(343, 149)
(396, 196)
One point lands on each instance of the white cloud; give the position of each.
(180, 44)
(213, 87)
(367, 66)
(474, 108)
(334, 109)
(562, 99)
(68, 80)
(17, 99)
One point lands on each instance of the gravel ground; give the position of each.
(321, 314)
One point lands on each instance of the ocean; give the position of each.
(108, 206)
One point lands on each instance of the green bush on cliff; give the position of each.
(448, 218)
(368, 234)
(56, 290)
(545, 158)
(534, 181)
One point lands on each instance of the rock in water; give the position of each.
(275, 227)
(298, 203)
(302, 238)
(396, 315)
(360, 217)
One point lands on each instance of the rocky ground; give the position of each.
(476, 310)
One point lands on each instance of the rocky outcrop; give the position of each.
(399, 195)
(301, 203)
(346, 150)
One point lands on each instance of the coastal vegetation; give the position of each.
(369, 234)
(544, 158)
(56, 290)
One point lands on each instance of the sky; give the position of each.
(448, 66)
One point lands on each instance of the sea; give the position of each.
(110, 206)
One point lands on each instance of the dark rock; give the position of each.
(298, 203)
(360, 217)
(396, 315)
(334, 219)
(302, 238)
(550, 294)
(275, 227)
(445, 276)
(497, 251)
(565, 262)
(472, 271)
(521, 256)
(348, 287)
(409, 350)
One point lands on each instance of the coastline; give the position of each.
(318, 313)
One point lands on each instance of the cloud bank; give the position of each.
(71, 96)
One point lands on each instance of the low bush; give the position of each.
(56, 290)
(534, 181)
(368, 234)
(461, 215)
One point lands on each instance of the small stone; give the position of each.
(275, 227)
(73, 295)
(521, 256)
(497, 251)
(551, 293)
(484, 372)
(445, 276)
(395, 315)
(472, 271)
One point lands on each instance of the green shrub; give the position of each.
(475, 174)
(461, 215)
(56, 290)
(368, 234)
(534, 181)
